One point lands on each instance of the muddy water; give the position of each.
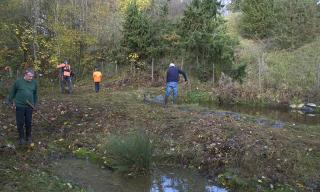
(281, 114)
(93, 178)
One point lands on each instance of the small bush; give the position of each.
(131, 153)
(197, 96)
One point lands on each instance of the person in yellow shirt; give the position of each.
(97, 77)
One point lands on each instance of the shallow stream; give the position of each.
(280, 114)
(93, 178)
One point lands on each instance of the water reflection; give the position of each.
(96, 179)
(282, 114)
(181, 180)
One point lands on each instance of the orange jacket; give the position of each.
(97, 76)
(66, 69)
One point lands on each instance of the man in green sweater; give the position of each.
(24, 93)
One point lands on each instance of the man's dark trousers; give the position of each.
(97, 86)
(24, 119)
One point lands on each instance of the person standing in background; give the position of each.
(97, 78)
(65, 76)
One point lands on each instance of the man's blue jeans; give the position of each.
(97, 86)
(172, 86)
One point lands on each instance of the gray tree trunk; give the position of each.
(182, 63)
(318, 83)
(212, 74)
(152, 69)
(36, 14)
(259, 72)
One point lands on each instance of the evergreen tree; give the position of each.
(290, 23)
(136, 31)
(204, 36)
(296, 22)
(258, 18)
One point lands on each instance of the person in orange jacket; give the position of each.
(65, 76)
(97, 78)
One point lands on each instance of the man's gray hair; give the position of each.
(29, 71)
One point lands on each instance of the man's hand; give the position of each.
(35, 107)
(13, 106)
(185, 83)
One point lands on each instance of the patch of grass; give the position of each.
(197, 96)
(83, 153)
(131, 153)
(281, 188)
(232, 181)
(18, 180)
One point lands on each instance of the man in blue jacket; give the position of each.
(172, 82)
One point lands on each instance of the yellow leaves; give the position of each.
(300, 185)
(36, 65)
(142, 4)
(133, 57)
(171, 37)
(53, 60)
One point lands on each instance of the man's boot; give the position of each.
(174, 100)
(29, 139)
(165, 100)
(22, 141)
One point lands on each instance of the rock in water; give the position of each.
(159, 99)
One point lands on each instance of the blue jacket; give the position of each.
(173, 74)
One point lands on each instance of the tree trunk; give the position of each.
(152, 69)
(197, 61)
(318, 83)
(116, 68)
(56, 20)
(212, 74)
(36, 14)
(182, 64)
(102, 67)
(259, 71)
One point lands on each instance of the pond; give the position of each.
(277, 113)
(93, 178)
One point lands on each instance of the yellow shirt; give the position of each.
(97, 76)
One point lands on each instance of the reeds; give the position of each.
(131, 152)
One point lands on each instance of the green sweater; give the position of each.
(23, 91)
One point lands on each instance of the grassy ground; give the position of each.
(241, 155)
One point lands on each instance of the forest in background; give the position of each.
(271, 45)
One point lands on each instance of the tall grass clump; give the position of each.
(131, 152)
(197, 96)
